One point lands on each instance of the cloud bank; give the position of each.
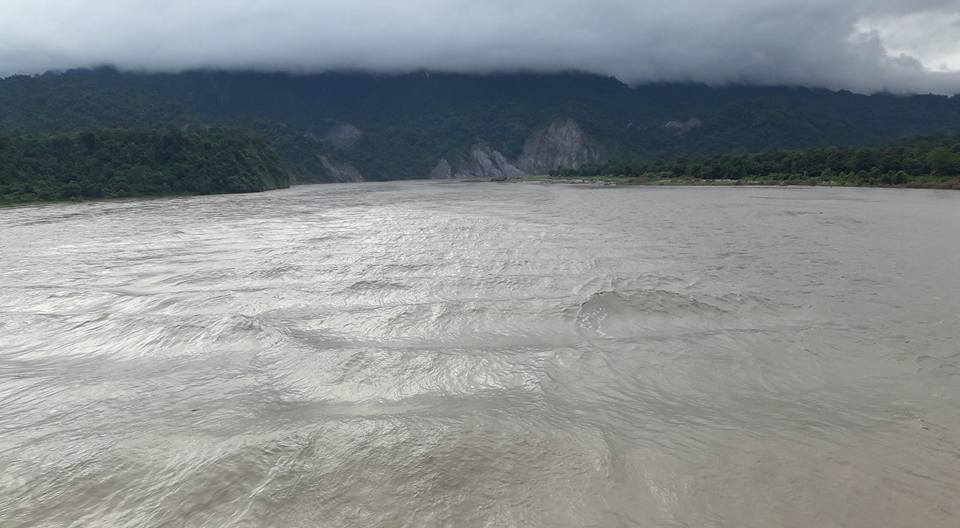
(861, 45)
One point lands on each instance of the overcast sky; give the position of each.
(862, 45)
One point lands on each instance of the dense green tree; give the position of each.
(943, 162)
(411, 121)
(920, 162)
(126, 163)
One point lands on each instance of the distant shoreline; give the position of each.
(545, 180)
(132, 198)
(615, 181)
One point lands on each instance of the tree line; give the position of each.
(129, 163)
(931, 162)
(409, 122)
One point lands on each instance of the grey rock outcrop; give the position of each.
(560, 145)
(485, 162)
(343, 135)
(340, 171)
(682, 127)
(482, 162)
(443, 171)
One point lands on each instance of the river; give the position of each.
(483, 355)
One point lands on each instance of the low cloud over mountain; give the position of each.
(862, 45)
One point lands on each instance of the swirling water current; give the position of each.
(483, 355)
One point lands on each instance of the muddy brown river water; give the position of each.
(483, 355)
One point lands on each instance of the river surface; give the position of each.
(483, 355)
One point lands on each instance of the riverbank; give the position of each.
(131, 198)
(136, 163)
(612, 181)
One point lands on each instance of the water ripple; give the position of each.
(390, 355)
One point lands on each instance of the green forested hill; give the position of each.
(403, 125)
(923, 162)
(125, 163)
(74, 102)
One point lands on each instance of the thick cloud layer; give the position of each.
(862, 45)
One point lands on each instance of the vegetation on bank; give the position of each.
(132, 163)
(409, 122)
(926, 162)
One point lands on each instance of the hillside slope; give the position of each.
(127, 163)
(347, 126)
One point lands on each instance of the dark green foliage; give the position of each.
(928, 162)
(63, 102)
(126, 163)
(411, 121)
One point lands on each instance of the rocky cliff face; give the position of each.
(340, 171)
(562, 145)
(682, 127)
(443, 170)
(486, 162)
(482, 162)
(343, 135)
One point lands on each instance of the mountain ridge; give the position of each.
(346, 126)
